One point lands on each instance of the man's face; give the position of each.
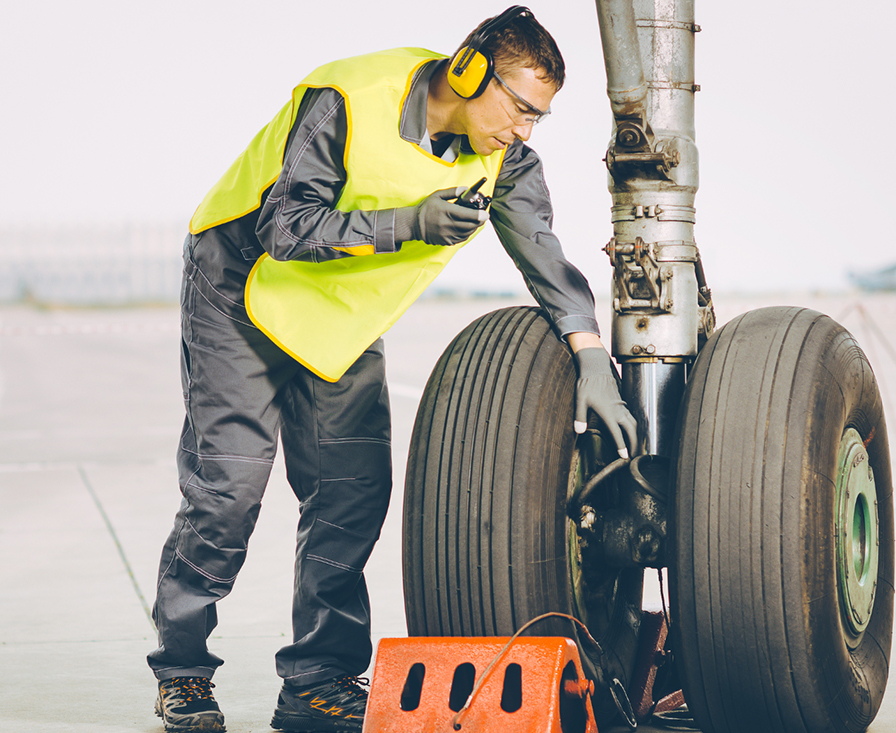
(496, 117)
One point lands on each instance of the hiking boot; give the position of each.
(186, 705)
(333, 706)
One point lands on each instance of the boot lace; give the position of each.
(193, 688)
(352, 685)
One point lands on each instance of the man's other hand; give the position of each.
(597, 389)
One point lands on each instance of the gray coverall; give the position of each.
(241, 391)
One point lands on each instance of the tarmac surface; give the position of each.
(90, 412)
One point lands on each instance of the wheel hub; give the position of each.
(857, 537)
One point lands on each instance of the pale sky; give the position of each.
(118, 111)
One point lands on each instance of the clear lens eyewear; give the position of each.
(532, 115)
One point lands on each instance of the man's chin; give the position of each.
(485, 147)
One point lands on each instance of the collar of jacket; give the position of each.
(412, 126)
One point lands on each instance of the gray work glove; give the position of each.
(436, 220)
(597, 389)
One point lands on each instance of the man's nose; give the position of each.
(523, 131)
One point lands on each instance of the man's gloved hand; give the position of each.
(436, 220)
(597, 389)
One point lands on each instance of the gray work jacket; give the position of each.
(297, 218)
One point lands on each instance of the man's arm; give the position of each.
(522, 215)
(298, 219)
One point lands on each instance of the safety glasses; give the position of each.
(532, 115)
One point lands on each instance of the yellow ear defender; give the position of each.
(470, 72)
(472, 67)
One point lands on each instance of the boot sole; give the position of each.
(295, 723)
(210, 722)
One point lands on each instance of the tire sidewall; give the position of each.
(849, 678)
(812, 382)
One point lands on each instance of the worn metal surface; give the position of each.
(651, 655)
(661, 305)
(660, 302)
(624, 523)
(653, 391)
(653, 179)
(626, 86)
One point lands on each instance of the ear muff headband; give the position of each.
(472, 67)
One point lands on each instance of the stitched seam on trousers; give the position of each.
(300, 674)
(330, 524)
(217, 292)
(226, 315)
(334, 441)
(162, 575)
(333, 563)
(316, 415)
(202, 488)
(171, 562)
(212, 457)
(344, 529)
(192, 475)
(202, 572)
(341, 478)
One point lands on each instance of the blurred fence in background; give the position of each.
(140, 263)
(91, 264)
(133, 264)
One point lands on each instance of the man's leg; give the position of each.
(336, 441)
(231, 377)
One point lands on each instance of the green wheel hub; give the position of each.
(856, 533)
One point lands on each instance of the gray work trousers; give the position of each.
(241, 392)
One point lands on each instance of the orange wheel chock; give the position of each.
(442, 685)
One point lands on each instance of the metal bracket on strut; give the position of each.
(634, 136)
(635, 145)
(641, 282)
(661, 160)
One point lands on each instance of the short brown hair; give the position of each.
(523, 42)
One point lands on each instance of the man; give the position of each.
(324, 230)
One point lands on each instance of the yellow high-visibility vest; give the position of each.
(326, 314)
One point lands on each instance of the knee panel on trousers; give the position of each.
(219, 523)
